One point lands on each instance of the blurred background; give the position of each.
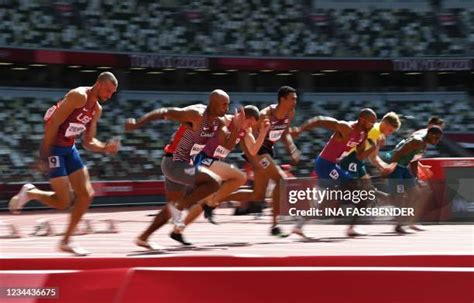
(414, 57)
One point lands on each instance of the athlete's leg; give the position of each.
(59, 198)
(257, 193)
(83, 194)
(163, 215)
(205, 183)
(233, 179)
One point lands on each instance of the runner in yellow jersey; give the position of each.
(356, 166)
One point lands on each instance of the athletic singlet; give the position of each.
(334, 149)
(175, 138)
(277, 128)
(192, 142)
(74, 125)
(214, 150)
(406, 159)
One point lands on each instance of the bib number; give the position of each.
(334, 174)
(353, 167)
(275, 135)
(196, 149)
(75, 129)
(221, 152)
(53, 161)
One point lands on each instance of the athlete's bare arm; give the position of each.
(287, 140)
(362, 152)
(228, 138)
(251, 144)
(91, 143)
(341, 128)
(75, 98)
(187, 115)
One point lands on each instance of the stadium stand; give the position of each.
(251, 28)
(140, 157)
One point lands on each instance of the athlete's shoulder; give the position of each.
(344, 123)
(77, 95)
(267, 110)
(197, 109)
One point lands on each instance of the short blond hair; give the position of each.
(393, 119)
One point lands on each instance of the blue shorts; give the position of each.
(64, 161)
(400, 180)
(330, 173)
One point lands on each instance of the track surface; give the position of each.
(234, 236)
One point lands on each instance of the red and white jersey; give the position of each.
(214, 150)
(171, 147)
(277, 128)
(74, 125)
(334, 149)
(192, 142)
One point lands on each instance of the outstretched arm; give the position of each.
(341, 127)
(186, 115)
(91, 143)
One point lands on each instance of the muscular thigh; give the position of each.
(269, 167)
(225, 170)
(80, 182)
(61, 187)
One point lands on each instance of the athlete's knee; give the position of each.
(258, 195)
(64, 201)
(241, 177)
(211, 180)
(85, 196)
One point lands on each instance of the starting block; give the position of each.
(86, 226)
(8, 231)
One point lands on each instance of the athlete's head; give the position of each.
(252, 114)
(105, 86)
(434, 135)
(435, 121)
(218, 104)
(367, 119)
(287, 97)
(390, 123)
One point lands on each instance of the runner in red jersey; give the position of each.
(280, 116)
(346, 136)
(73, 116)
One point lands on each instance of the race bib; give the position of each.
(196, 149)
(275, 135)
(53, 162)
(353, 167)
(334, 174)
(75, 129)
(207, 162)
(221, 152)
